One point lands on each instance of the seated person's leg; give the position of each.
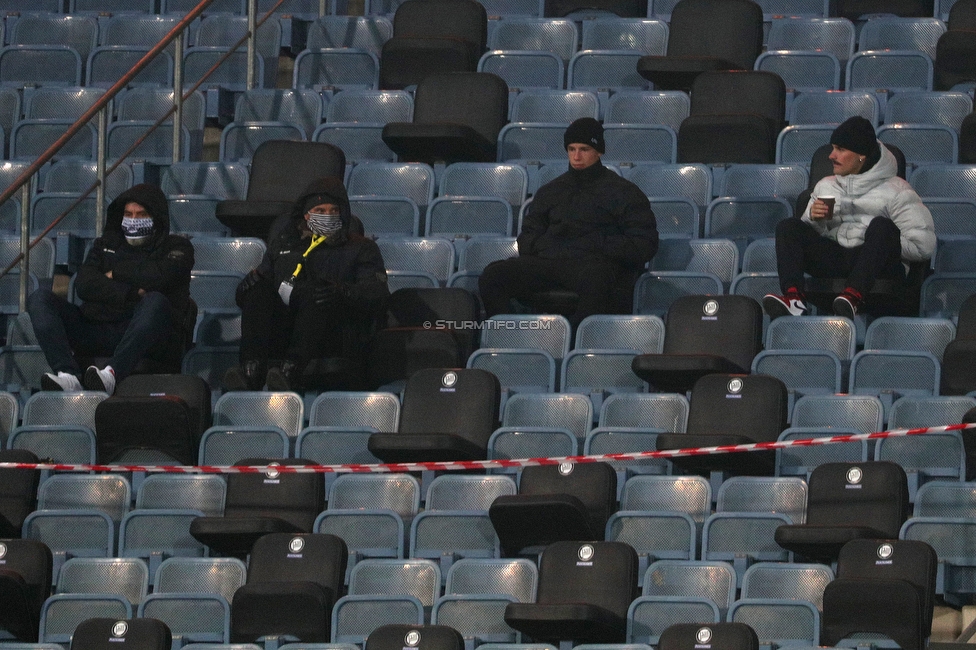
(319, 332)
(878, 257)
(152, 325)
(594, 282)
(60, 328)
(266, 325)
(519, 278)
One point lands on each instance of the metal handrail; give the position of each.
(99, 109)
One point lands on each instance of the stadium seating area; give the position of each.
(504, 556)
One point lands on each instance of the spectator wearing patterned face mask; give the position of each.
(315, 296)
(135, 290)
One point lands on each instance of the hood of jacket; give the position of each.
(323, 190)
(855, 185)
(148, 196)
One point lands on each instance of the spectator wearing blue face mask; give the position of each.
(316, 295)
(135, 290)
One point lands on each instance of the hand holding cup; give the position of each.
(823, 208)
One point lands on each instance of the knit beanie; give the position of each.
(585, 130)
(856, 134)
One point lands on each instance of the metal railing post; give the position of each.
(252, 17)
(100, 170)
(24, 242)
(178, 95)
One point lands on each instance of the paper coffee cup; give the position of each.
(829, 200)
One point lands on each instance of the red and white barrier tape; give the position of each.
(482, 464)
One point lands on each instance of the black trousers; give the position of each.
(298, 332)
(523, 276)
(801, 249)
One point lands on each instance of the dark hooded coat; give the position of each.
(162, 264)
(356, 264)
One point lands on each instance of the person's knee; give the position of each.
(882, 228)
(496, 274)
(789, 227)
(155, 306)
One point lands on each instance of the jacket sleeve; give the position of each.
(92, 285)
(534, 224)
(915, 223)
(820, 225)
(160, 272)
(638, 240)
(369, 291)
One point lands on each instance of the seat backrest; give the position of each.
(281, 169)
(421, 637)
(596, 573)
(962, 15)
(728, 326)
(594, 484)
(25, 576)
(717, 28)
(873, 494)
(296, 498)
(462, 401)
(476, 99)
(893, 559)
(412, 307)
(717, 636)
(18, 491)
(138, 634)
(284, 557)
(465, 20)
(750, 405)
(740, 91)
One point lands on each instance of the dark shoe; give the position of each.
(847, 303)
(99, 379)
(791, 304)
(284, 378)
(247, 376)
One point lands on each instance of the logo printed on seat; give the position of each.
(271, 472)
(565, 469)
(120, 628)
(412, 639)
(449, 379)
(710, 307)
(854, 475)
(704, 635)
(735, 385)
(586, 552)
(296, 545)
(885, 551)
(3, 551)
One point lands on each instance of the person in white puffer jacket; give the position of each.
(875, 226)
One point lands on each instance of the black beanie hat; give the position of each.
(585, 130)
(856, 134)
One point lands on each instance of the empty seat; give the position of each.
(848, 501)
(279, 170)
(25, 583)
(436, 38)
(457, 117)
(735, 118)
(885, 587)
(725, 340)
(438, 424)
(728, 636)
(292, 583)
(139, 633)
(705, 35)
(584, 592)
(262, 503)
(564, 502)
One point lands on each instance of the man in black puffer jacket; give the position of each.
(135, 288)
(316, 294)
(588, 231)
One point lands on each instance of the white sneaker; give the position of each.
(62, 381)
(103, 380)
(776, 306)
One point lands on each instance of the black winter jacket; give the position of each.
(590, 214)
(162, 264)
(356, 264)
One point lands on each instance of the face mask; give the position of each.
(137, 231)
(325, 225)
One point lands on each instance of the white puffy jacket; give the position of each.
(878, 192)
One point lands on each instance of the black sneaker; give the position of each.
(777, 306)
(846, 306)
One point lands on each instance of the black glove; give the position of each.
(329, 292)
(246, 284)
